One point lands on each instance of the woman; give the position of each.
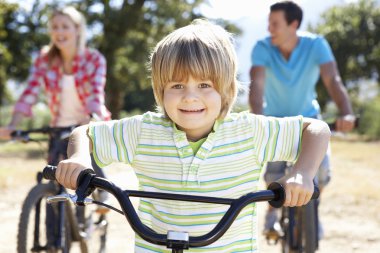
(73, 76)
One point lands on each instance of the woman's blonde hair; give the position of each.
(80, 22)
(203, 50)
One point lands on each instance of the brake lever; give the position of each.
(84, 189)
(73, 198)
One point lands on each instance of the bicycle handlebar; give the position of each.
(275, 195)
(24, 134)
(332, 125)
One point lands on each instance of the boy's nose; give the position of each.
(190, 95)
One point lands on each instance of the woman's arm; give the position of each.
(299, 182)
(95, 102)
(79, 158)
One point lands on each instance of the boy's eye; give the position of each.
(204, 85)
(177, 86)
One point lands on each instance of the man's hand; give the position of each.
(345, 123)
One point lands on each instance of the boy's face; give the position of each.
(193, 105)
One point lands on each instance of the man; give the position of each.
(285, 69)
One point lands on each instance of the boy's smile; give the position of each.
(193, 105)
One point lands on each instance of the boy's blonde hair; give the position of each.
(202, 50)
(80, 22)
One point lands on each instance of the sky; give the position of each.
(252, 15)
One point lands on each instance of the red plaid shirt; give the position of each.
(89, 70)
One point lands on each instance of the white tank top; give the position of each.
(71, 110)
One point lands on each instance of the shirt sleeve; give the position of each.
(278, 139)
(260, 55)
(115, 141)
(95, 102)
(322, 51)
(30, 95)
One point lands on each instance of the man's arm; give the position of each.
(333, 83)
(256, 91)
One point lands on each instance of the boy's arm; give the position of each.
(79, 158)
(299, 182)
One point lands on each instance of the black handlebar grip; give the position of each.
(82, 175)
(49, 172)
(280, 194)
(315, 193)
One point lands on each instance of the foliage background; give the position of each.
(126, 33)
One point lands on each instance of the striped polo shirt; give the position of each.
(228, 164)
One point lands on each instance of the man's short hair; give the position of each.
(292, 11)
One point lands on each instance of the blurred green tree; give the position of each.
(129, 33)
(353, 31)
(124, 31)
(6, 16)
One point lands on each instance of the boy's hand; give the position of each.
(299, 189)
(68, 171)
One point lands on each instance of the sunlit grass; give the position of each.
(19, 162)
(355, 173)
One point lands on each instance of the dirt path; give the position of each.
(349, 209)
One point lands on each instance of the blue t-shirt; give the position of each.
(290, 84)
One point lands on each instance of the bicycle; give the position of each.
(298, 232)
(299, 226)
(177, 241)
(38, 230)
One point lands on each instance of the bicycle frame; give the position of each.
(292, 224)
(64, 213)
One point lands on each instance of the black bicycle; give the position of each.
(53, 228)
(299, 226)
(177, 241)
(298, 232)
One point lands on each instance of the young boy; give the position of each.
(196, 146)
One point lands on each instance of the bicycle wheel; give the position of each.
(309, 224)
(288, 226)
(93, 230)
(32, 233)
(300, 226)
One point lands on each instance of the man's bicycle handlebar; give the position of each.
(87, 182)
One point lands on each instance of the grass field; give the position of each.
(349, 206)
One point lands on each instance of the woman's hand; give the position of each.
(5, 133)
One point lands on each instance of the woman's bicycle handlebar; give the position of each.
(24, 135)
(87, 182)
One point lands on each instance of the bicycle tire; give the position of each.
(94, 232)
(287, 223)
(300, 227)
(37, 194)
(309, 225)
